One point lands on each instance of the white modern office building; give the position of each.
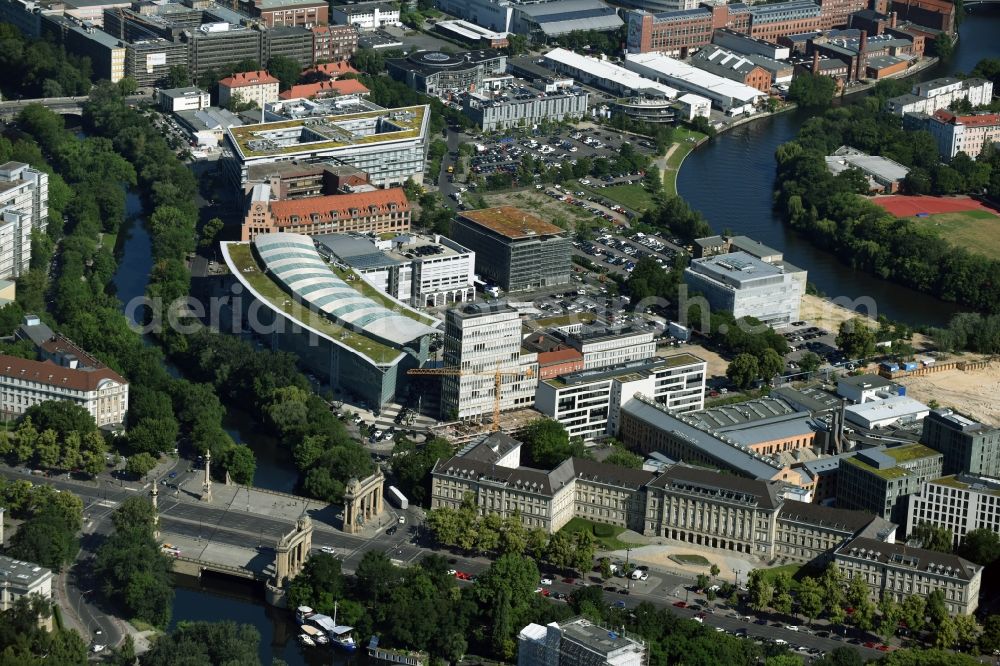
(588, 403)
(484, 339)
(959, 503)
(390, 145)
(190, 98)
(24, 206)
(577, 642)
(523, 106)
(602, 347)
(365, 15)
(425, 271)
(730, 96)
(745, 286)
(491, 14)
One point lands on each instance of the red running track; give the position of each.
(909, 206)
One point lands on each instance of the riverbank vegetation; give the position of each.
(829, 211)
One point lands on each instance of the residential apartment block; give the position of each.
(929, 96)
(745, 286)
(24, 207)
(968, 446)
(577, 642)
(481, 340)
(258, 87)
(959, 502)
(901, 571)
(879, 480)
(967, 134)
(24, 383)
(588, 403)
(515, 248)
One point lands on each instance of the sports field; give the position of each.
(977, 231)
(908, 206)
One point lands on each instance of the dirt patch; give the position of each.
(826, 314)
(975, 393)
(716, 364)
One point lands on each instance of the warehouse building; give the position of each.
(729, 96)
(883, 174)
(894, 410)
(472, 34)
(542, 21)
(718, 61)
(739, 42)
(514, 248)
(605, 75)
(679, 33)
(493, 15)
(360, 343)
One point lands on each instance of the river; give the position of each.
(743, 159)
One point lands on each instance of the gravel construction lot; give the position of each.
(826, 314)
(975, 393)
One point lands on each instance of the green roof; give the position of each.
(251, 272)
(887, 474)
(908, 452)
(410, 129)
(954, 482)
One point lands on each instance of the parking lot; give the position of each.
(617, 252)
(803, 338)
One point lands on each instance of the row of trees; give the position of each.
(52, 520)
(39, 68)
(78, 450)
(969, 331)
(827, 209)
(842, 601)
(133, 572)
(464, 528)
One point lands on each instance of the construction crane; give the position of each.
(497, 375)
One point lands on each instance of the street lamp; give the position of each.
(737, 572)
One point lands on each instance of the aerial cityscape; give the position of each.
(484, 332)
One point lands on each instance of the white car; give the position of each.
(402, 520)
(377, 433)
(792, 627)
(387, 437)
(328, 550)
(452, 572)
(97, 648)
(545, 581)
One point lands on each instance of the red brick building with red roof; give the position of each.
(377, 211)
(332, 88)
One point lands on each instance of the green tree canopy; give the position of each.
(205, 644)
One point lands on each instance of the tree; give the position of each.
(989, 640)
(140, 464)
(516, 45)
(319, 585)
(209, 231)
(810, 362)
(743, 370)
(761, 591)
(810, 598)
(771, 364)
(942, 46)
(889, 616)
(133, 571)
(702, 582)
(45, 538)
(856, 338)
(859, 596)
(205, 643)
(832, 583)
(559, 551)
(61, 416)
(178, 77)
(967, 630)
(605, 568)
(714, 570)
(933, 537)
(127, 86)
(624, 458)
(812, 90)
(506, 590)
(285, 70)
(937, 609)
(368, 61)
(584, 548)
(913, 612)
(981, 546)
(513, 537)
(945, 633)
(547, 443)
(240, 463)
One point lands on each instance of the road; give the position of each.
(247, 530)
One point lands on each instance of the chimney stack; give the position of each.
(815, 64)
(892, 20)
(862, 47)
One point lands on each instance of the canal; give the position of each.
(743, 159)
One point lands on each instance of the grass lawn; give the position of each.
(977, 231)
(109, 241)
(634, 197)
(691, 560)
(796, 571)
(685, 141)
(609, 541)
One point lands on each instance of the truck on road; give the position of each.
(398, 498)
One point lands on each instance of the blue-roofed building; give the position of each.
(545, 20)
(339, 326)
